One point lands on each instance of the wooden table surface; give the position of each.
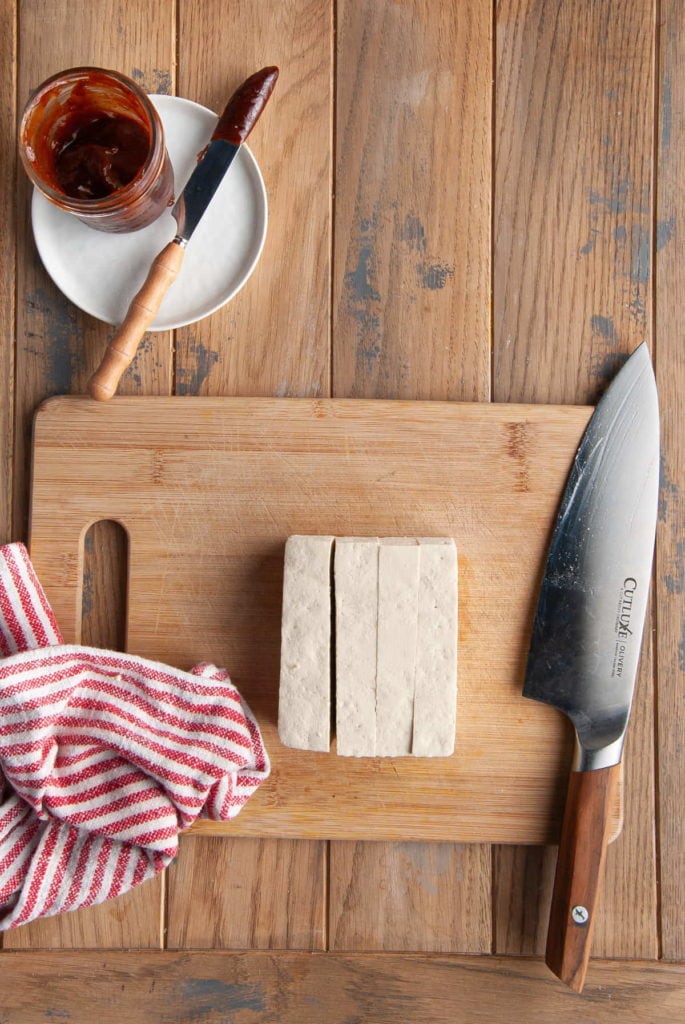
(468, 201)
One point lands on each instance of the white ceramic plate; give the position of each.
(100, 273)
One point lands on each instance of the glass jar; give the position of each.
(93, 144)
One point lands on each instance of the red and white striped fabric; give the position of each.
(105, 758)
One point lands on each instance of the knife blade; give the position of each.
(587, 632)
(232, 129)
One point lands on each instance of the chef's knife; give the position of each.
(586, 637)
(233, 127)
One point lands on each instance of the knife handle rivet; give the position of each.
(580, 915)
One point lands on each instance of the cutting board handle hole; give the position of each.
(105, 586)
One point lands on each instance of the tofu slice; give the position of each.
(398, 592)
(435, 694)
(304, 702)
(356, 626)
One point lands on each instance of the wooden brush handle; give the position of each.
(141, 313)
(580, 869)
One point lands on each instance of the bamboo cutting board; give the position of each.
(208, 490)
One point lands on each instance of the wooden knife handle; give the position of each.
(580, 869)
(141, 313)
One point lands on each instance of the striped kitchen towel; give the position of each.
(105, 757)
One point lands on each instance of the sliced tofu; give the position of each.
(435, 694)
(356, 627)
(398, 593)
(395, 651)
(304, 705)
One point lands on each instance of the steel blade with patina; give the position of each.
(202, 185)
(588, 626)
(586, 637)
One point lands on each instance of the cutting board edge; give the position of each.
(497, 836)
(318, 406)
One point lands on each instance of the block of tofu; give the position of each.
(304, 703)
(435, 680)
(398, 594)
(356, 627)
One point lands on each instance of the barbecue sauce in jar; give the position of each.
(102, 153)
(92, 142)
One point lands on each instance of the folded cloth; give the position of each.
(105, 758)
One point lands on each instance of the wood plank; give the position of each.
(572, 194)
(670, 572)
(131, 920)
(8, 168)
(572, 296)
(271, 339)
(307, 988)
(412, 234)
(411, 320)
(626, 924)
(430, 897)
(58, 347)
(523, 880)
(135, 916)
(257, 895)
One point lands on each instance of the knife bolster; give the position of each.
(588, 760)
